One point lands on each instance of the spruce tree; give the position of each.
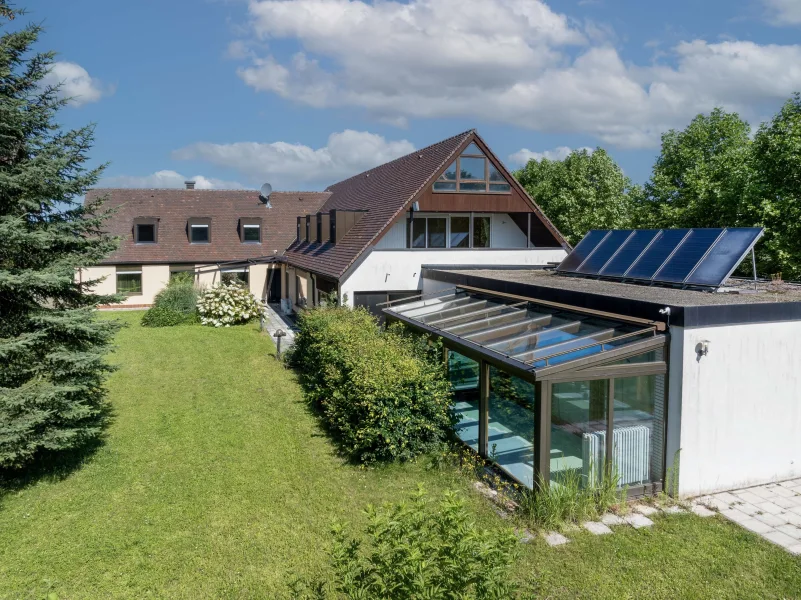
(52, 347)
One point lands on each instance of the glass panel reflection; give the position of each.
(481, 232)
(436, 232)
(578, 430)
(460, 232)
(463, 375)
(639, 428)
(471, 168)
(510, 438)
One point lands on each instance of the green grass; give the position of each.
(215, 482)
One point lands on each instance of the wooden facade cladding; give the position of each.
(465, 202)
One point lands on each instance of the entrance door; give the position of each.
(274, 285)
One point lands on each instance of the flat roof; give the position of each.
(769, 302)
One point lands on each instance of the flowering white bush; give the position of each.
(226, 305)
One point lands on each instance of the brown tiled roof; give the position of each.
(383, 192)
(173, 207)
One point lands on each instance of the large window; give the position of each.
(427, 232)
(455, 231)
(510, 438)
(463, 375)
(129, 281)
(472, 172)
(481, 232)
(460, 232)
(578, 431)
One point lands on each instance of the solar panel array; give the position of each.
(688, 257)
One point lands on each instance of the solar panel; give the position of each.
(604, 251)
(692, 249)
(690, 257)
(725, 256)
(629, 252)
(657, 253)
(582, 250)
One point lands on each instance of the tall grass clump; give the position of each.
(176, 304)
(570, 500)
(382, 394)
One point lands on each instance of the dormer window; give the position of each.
(472, 172)
(199, 230)
(145, 230)
(250, 230)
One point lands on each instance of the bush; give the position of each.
(226, 305)
(420, 550)
(383, 395)
(176, 304)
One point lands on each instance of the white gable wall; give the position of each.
(740, 406)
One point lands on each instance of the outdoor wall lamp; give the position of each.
(702, 348)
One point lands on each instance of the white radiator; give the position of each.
(632, 452)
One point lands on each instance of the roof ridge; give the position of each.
(405, 156)
(254, 191)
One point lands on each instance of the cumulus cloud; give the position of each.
(346, 153)
(76, 83)
(783, 12)
(522, 156)
(511, 61)
(168, 179)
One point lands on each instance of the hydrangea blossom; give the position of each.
(226, 305)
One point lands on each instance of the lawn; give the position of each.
(214, 481)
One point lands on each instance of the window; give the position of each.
(240, 276)
(189, 272)
(436, 232)
(481, 232)
(511, 425)
(417, 233)
(472, 172)
(129, 281)
(146, 233)
(199, 231)
(463, 375)
(460, 232)
(251, 233)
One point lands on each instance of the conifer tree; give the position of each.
(52, 348)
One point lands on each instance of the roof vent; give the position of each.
(190, 185)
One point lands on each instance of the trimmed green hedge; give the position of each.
(176, 304)
(383, 394)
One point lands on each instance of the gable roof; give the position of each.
(173, 207)
(385, 192)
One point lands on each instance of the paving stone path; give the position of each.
(772, 510)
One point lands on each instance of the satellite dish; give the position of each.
(264, 194)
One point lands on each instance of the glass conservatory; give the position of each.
(550, 390)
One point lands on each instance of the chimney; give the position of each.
(190, 185)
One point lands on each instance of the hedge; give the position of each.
(383, 394)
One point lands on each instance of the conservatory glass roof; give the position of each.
(530, 333)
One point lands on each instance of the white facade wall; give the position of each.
(740, 405)
(399, 270)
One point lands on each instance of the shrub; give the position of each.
(383, 395)
(226, 305)
(420, 549)
(176, 304)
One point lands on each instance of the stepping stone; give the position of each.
(702, 511)
(674, 510)
(555, 538)
(596, 528)
(638, 521)
(612, 519)
(645, 510)
(525, 536)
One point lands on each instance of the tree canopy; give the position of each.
(51, 346)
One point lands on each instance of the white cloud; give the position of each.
(783, 12)
(168, 179)
(510, 61)
(76, 83)
(284, 164)
(522, 156)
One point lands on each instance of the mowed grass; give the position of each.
(214, 481)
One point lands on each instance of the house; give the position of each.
(366, 238)
(559, 375)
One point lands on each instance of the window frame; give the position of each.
(128, 270)
(199, 222)
(245, 280)
(139, 221)
(486, 180)
(471, 217)
(246, 223)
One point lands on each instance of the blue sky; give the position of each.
(302, 93)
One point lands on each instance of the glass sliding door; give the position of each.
(579, 420)
(463, 375)
(510, 436)
(639, 424)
